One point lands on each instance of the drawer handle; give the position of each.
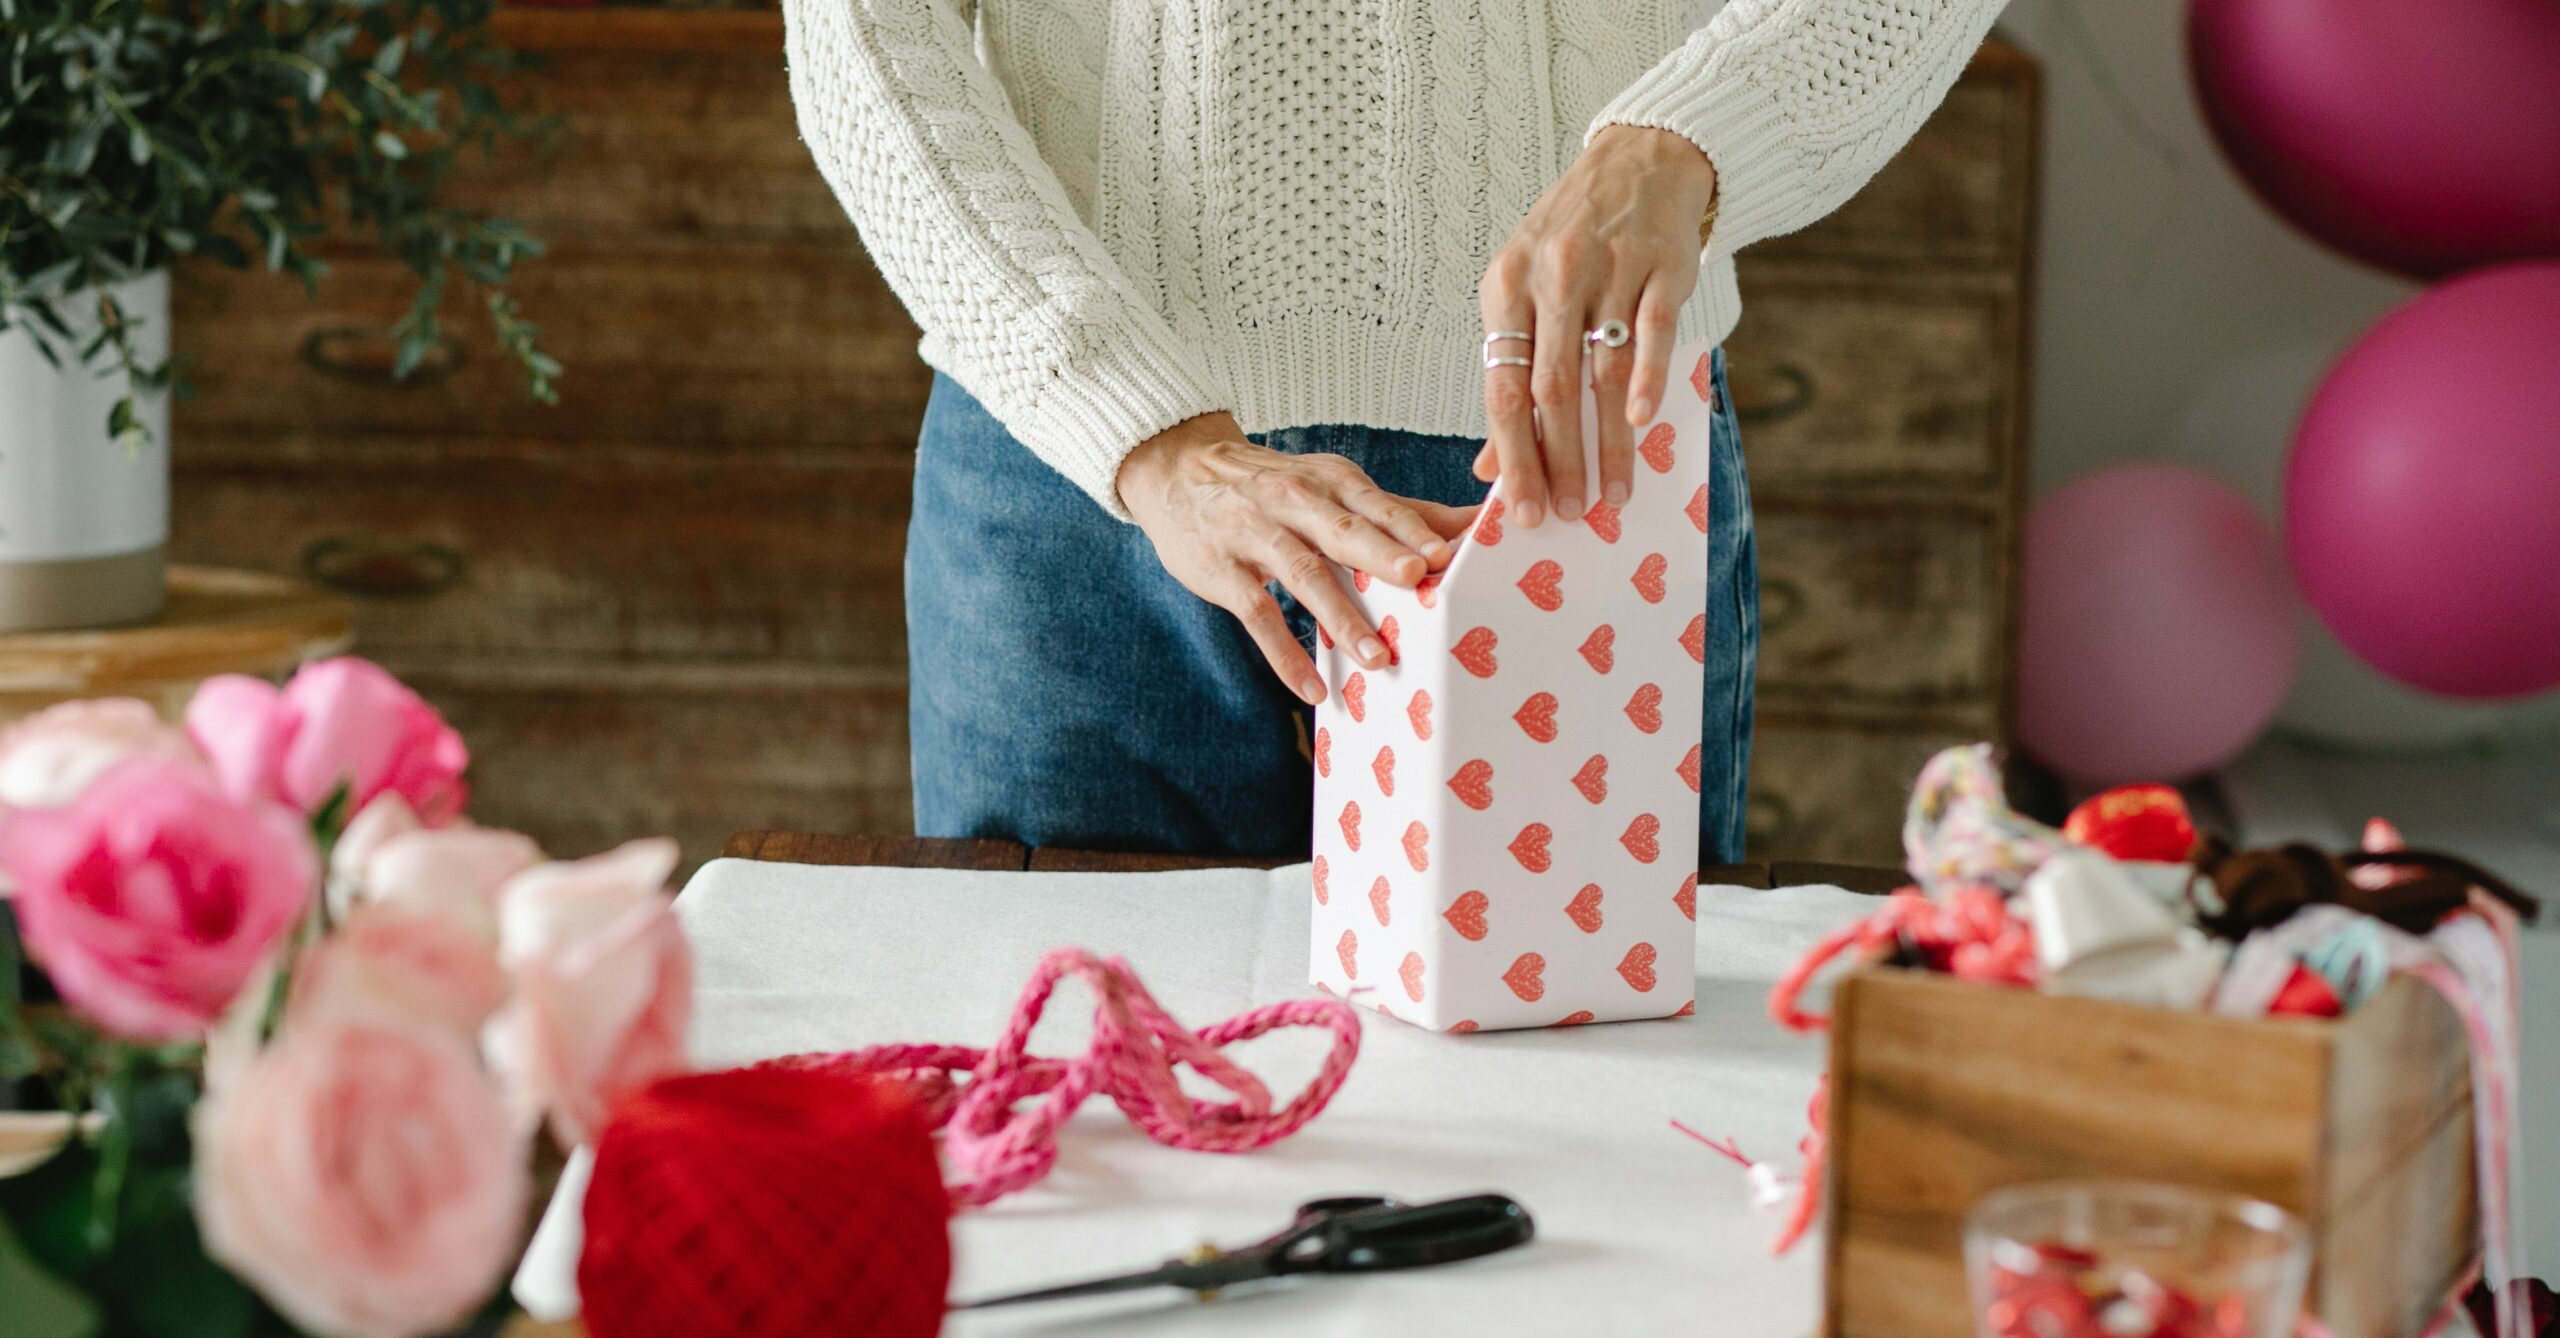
(377, 569)
(366, 357)
(1781, 603)
(1769, 395)
(1767, 821)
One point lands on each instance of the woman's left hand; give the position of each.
(1615, 239)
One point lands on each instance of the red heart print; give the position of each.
(1524, 977)
(1643, 838)
(1427, 591)
(1604, 522)
(1648, 578)
(1488, 530)
(1360, 580)
(1417, 846)
(1656, 447)
(1323, 874)
(1419, 712)
(1600, 648)
(1348, 949)
(1689, 1009)
(1324, 751)
(1410, 972)
(1355, 696)
(1466, 915)
(1378, 893)
(1689, 768)
(1474, 784)
(1687, 897)
(1593, 779)
(1384, 768)
(1389, 633)
(1702, 378)
(1693, 639)
(1537, 716)
(1584, 909)
(1463, 1025)
(1645, 708)
(1636, 968)
(1324, 636)
(1474, 651)
(1579, 1018)
(1697, 508)
(1530, 847)
(1544, 584)
(1351, 824)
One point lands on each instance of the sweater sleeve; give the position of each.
(1799, 102)
(1017, 297)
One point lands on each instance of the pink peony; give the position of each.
(604, 984)
(365, 1177)
(406, 963)
(153, 896)
(338, 722)
(47, 758)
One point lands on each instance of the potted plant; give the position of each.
(134, 133)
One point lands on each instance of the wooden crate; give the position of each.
(1943, 1090)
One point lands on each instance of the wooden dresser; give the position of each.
(672, 603)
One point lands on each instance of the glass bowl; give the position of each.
(2127, 1259)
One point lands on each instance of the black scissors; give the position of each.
(1359, 1234)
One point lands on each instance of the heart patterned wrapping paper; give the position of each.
(1506, 816)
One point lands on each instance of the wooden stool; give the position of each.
(217, 622)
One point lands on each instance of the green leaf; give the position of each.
(389, 145)
(39, 1304)
(138, 143)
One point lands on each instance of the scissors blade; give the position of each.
(1173, 1274)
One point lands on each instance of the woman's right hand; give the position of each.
(1227, 516)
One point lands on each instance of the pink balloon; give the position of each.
(2422, 502)
(2157, 632)
(2422, 136)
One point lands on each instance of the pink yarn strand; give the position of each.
(994, 1143)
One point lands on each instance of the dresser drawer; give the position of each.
(1960, 193)
(723, 350)
(1834, 794)
(566, 553)
(583, 756)
(1887, 605)
(1844, 381)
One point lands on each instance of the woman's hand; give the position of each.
(1615, 239)
(1227, 516)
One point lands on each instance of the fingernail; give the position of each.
(1639, 410)
(1528, 514)
(1311, 690)
(1411, 568)
(1616, 494)
(1568, 506)
(1371, 649)
(1433, 551)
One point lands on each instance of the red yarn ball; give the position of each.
(758, 1202)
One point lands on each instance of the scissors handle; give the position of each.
(1397, 1235)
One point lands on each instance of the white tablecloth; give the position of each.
(1640, 1232)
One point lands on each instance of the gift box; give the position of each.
(1943, 1090)
(1506, 816)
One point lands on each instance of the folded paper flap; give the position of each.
(1506, 814)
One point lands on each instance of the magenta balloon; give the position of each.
(2419, 135)
(2158, 631)
(2422, 502)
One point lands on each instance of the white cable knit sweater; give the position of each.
(1112, 215)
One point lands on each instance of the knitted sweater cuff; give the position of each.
(1095, 406)
(1760, 171)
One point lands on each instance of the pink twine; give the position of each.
(990, 1149)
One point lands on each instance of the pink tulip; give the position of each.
(604, 983)
(367, 1178)
(153, 896)
(338, 722)
(47, 758)
(410, 964)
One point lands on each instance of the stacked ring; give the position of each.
(1504, 336)
(1609, 334)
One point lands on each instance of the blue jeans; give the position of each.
(1064, 690)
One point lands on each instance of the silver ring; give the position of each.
(1610, 334)
(1500, 336)
(1491, 363)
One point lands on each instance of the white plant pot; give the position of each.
(84, 520)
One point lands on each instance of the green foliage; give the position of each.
(133, 132)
